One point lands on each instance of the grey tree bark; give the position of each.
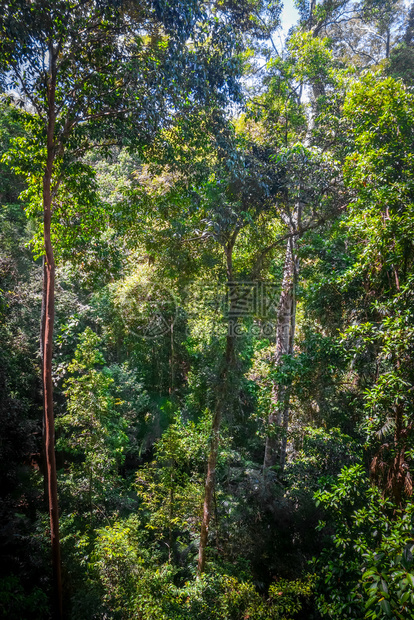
(278, 420)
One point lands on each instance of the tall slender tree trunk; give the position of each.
(42, 350)
(209, 487)
(286, 408)
(278, 420)
(48, 318)
(172, 369)
(171, 516)
(228, 364)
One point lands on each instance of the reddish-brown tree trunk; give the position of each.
(42, 350)
(48, 318)
(50, 438)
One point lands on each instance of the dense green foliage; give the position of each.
(233, 230)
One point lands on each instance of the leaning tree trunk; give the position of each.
(228, 364)
(48, 317)
(275, 447)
